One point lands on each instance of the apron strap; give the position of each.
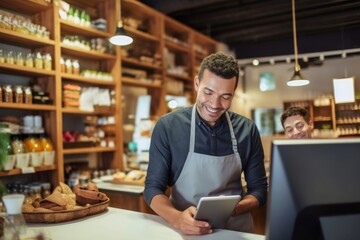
(192, 131)
(232, 134)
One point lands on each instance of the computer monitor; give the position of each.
(314, 189)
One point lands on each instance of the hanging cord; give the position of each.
(297, 66)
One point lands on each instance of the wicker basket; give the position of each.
(67, 215)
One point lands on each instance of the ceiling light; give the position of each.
(255, 62)
(297, 79)
(121, 38)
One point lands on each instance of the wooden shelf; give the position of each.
(29, 107)
(73, 51)
(70, 28)
(140, 64)
(77, 111)
(179, 77)
(23, 40)
(138, 83)
(87, 80)
(18, 171)
(176, 47)
(24, 71)
(139, 34)
(28, 7)
(88, 150)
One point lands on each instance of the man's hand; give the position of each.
(188, 225)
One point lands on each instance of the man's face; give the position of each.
(214, 96)
(297, 128)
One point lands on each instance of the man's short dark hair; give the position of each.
(293, 111)
(222, 65)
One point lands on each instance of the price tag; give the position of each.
(28, 170)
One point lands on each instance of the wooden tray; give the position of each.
(67, 215)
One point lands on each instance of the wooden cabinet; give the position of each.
(57, 118)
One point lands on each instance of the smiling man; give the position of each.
(202, 150)
(297, 123)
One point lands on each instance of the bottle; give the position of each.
(76, 67)
(33, 145)
(76, 16)
(39, 63)
(62, 65)
(47, 62)
(29, 60)
(68, 66)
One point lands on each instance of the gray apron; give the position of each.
(206, 175)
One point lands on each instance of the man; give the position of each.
(296, 123)
(201, 151)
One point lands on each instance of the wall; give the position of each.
(248, 96)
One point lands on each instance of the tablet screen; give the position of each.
(216, 210)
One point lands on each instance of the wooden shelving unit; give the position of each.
(155, 33)
(54, 116)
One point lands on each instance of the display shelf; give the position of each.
(138, 83)
(176, 47)
(30, 107)
(78, 111)
(27, 7)
(138, 63)
(70, 28)
(73, 51)
(24, 71)
(88, 150)
(87, 80)
(18, 171)
(139, 34)
(179, 77)
(23, 40)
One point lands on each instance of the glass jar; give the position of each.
(27, 95)
(68, 66)
(48, 150)
(45, 189)
(47, 62)
(62, 65)
(2, 57)
(19, 59)
(20, 151)
(7, 93)
(32, 143)
(29, 60)
(76, 67)
(18, 94)
(39, 63)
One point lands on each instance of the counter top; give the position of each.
(121, 187)
(122, 224)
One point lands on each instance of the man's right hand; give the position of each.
(188, 225)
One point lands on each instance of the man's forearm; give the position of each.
(164, 208)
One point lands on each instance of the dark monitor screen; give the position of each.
(314, 189)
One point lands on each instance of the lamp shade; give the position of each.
(121, 38)
(297, 80)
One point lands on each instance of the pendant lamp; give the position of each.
(297, 79)
(121, 38)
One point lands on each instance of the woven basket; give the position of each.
(67, 215)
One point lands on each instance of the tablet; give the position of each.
(216, 210)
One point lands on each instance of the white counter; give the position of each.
(126, 225)
(121, 187)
